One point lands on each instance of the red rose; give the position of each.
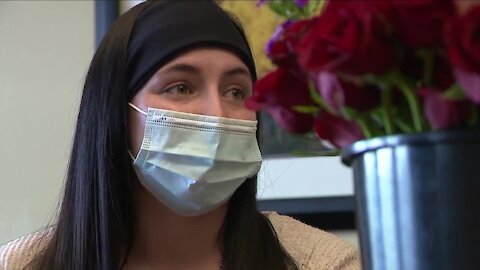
(420, 23)
(349, 36)
(338, 93)
(441, 112)
(463, 40)
(277, 92)
(281, 47)
(336, 130)
(462, 36)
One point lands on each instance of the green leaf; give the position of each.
(306, 109)
(455, 93)
(313, 7)
(288, 9)
(285, 8)
(349, 113)
(278, 8)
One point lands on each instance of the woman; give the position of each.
(163, 168)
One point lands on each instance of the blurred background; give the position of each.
(45, 49)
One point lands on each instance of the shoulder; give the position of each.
(313, 248)
(20, 252)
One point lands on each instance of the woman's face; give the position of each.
(204, 81)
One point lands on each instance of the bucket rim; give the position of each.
(350, 152)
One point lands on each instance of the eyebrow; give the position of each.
(185, 68)
(181, 68)
(237, 71)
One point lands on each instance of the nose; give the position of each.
(213, 103)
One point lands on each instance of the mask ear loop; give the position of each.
(130, 154)
(142, 112)
(137, 109)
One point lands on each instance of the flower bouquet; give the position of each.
(396, 85)
(363, 69)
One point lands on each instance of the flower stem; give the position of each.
(428, 59)
(413, 103)
(386, 111)
(474, 116)
(414, 106)
(362, 123)
(404, 127)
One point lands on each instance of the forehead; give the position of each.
(207, 56)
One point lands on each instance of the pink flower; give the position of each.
(470, 83)
(336, 130)
(338, 94)
(441, 112)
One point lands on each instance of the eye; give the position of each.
(180, 89)
(237, 93)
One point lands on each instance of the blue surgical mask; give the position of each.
(194, 163)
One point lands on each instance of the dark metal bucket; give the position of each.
(418, 200)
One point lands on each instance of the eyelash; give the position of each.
(240, 90)
(170, 87)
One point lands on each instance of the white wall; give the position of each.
(304, 177)
(45, 47)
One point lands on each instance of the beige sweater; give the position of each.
(313, 249)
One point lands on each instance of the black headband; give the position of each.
(165, 29)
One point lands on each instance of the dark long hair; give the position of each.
(95, 227)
